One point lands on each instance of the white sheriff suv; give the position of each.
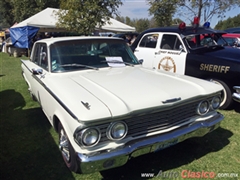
(107, 108)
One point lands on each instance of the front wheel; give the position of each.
(67, 150)
(226, 96)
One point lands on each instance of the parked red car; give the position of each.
(233, 39)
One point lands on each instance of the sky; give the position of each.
(137, 9)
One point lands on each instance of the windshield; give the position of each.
(89, 54)
(197, 41)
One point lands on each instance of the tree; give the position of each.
(228, 23)
(6, 8)
(120, 18)
(26, 8)
(205, 9)
(163, 11)
(17, 11)
(83, 16)
(176, 21)
(141, 25)
(128, 20)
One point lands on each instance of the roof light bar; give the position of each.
(206, 25)
(182, 26)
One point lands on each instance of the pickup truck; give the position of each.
(193, 51)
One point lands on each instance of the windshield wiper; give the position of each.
(78, 65)
(119, 62)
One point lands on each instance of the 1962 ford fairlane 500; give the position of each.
(107, 108)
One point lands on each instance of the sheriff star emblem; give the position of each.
(167, 64)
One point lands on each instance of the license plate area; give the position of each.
(164, 145)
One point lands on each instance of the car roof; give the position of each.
(231, 35)
(189, 30)
(123, 34)
(233, 30)
(66, 38)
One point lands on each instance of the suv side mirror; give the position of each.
(140, 61)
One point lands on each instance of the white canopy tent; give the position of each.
(46, 20)
(117, 26)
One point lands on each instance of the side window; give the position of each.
(149, 41)
(44, 57)
(221, 41)
(170, 42)
(230, 41)
(35, 58)
(40, 55)
(208, 40)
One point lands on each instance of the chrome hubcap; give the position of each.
(63, 145)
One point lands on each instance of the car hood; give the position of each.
(112, 92)
(228, 53)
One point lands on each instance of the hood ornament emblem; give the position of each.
(171, 100)
(86, 105)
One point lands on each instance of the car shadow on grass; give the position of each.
(237, 107)
(172, 157)
(28, 149)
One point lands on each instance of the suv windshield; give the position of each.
(89, 54)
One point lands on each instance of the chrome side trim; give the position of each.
(236, 95)
(51, 93)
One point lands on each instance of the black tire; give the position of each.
(227, 100)
(67, 151)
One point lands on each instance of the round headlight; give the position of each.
(117, 130)
(216, 101)
(90, 137)
(203, 107)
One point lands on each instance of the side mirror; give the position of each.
(37, 71)
(181, 49)
(140, 61)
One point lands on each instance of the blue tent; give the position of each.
(22, 36)
(23, 33)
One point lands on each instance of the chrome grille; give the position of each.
(151, 122)
(158, 121)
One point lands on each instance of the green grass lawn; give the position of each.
(29, 150)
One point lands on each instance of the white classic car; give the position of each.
(107, 108)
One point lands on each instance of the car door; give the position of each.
(37, 73)
(169, 54)
(146, 49)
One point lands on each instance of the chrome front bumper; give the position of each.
(117, 157)
(236, 95)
